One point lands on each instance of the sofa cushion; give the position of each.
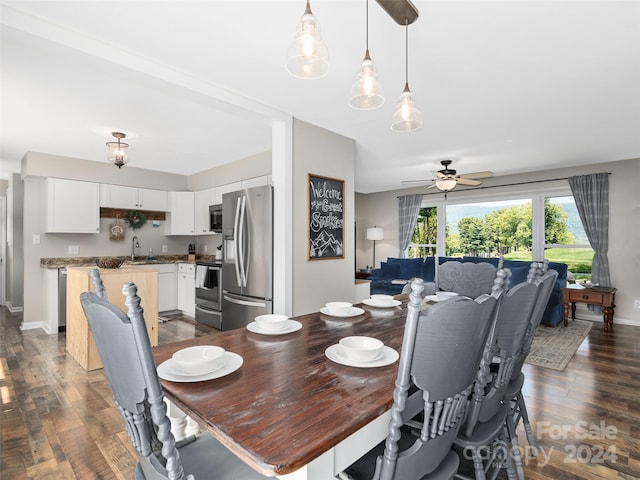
(492, 260)
(410, 268)
(518, 275)
(390, 270)
(428, 269)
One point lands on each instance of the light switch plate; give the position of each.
(164, 249)
(73, 249)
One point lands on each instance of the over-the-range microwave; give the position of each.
(215, 218)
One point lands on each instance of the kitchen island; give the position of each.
(80, 344)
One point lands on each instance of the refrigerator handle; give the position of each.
(241, 249)
(244, 302)
(236, 247)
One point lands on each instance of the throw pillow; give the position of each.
(428, 270)
(518, 275)
(390, 270)
(410, 268)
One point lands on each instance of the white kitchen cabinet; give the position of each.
(119, 196)
(72, 206)
(256, 181)
(222, 189)
(202, 200)
(167, 285)
(186, 288)
(180, 217)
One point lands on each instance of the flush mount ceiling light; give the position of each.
(407, 117)
(366, 92)
(118, 150)
(308, 56)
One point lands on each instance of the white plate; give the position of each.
(232, 362)
(373, 303)
(431, 298)
(289, 326)
(389, 356)
(352, 312)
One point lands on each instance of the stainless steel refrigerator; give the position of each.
(247, 267)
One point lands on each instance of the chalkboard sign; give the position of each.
(326, 217)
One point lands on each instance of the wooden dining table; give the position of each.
(289, 411)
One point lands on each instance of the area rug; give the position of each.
(555, 347)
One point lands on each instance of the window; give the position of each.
(490, 229)
(569, 244)
(425, 236)
(526, 226)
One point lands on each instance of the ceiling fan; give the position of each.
(447, 178)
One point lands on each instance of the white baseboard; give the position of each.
(598, 319)
(13, 309)
(32, 326)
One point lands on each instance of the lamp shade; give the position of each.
(366, 92)
(375, 233)
(308, 56)
(407, 117)
(118, 151)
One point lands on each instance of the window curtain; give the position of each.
(409, 209)
(591, 194)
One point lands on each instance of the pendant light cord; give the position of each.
(406, 52)
(367, 28)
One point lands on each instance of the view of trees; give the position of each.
(500, 232)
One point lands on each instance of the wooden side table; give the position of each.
(603, 296)
(362, 275)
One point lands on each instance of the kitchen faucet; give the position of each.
(134, 244)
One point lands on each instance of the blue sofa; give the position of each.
(407, 268)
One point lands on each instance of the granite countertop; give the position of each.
(60, 262)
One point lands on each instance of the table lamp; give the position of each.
(375, 233)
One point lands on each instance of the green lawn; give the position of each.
(578, 259)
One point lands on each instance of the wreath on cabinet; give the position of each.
(135, 219)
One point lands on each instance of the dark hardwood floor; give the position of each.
(59, 422)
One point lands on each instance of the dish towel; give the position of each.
(201, 275)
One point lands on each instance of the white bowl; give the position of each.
(338, 308)
(382, 298)
(271, 322)
(200, 359)
(361, 349)
(445, 295)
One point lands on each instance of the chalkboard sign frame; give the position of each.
(336, 185)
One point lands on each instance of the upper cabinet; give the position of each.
(118, 196)
(222, 189)
(72, 206)
(203, 199)
(180, 217)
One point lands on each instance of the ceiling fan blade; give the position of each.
(440, 175)
(468, 181)
(477, 175)
(416, 181)
(431, 186)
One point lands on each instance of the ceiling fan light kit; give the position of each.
(118, 151)
(308, 56)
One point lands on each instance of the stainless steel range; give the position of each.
(208, 283)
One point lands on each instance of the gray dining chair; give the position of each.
(513, 395)
(123, 344)
(98, 286)
(466, 278)
(486, 429)
(439, 359)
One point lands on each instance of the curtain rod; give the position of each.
(505, 185)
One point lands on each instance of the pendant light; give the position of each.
(308, 56)
(366, 92)
(118, 150)
(407, 117)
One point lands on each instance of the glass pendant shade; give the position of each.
(118, 151)
(446, 184)
(366, 92)
(407, 117)
(308, 56)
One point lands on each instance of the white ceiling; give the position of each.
(503, 85)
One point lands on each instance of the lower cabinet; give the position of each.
(167, 279)
(186, 288)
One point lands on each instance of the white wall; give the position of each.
(316, 282)
(624, 222)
